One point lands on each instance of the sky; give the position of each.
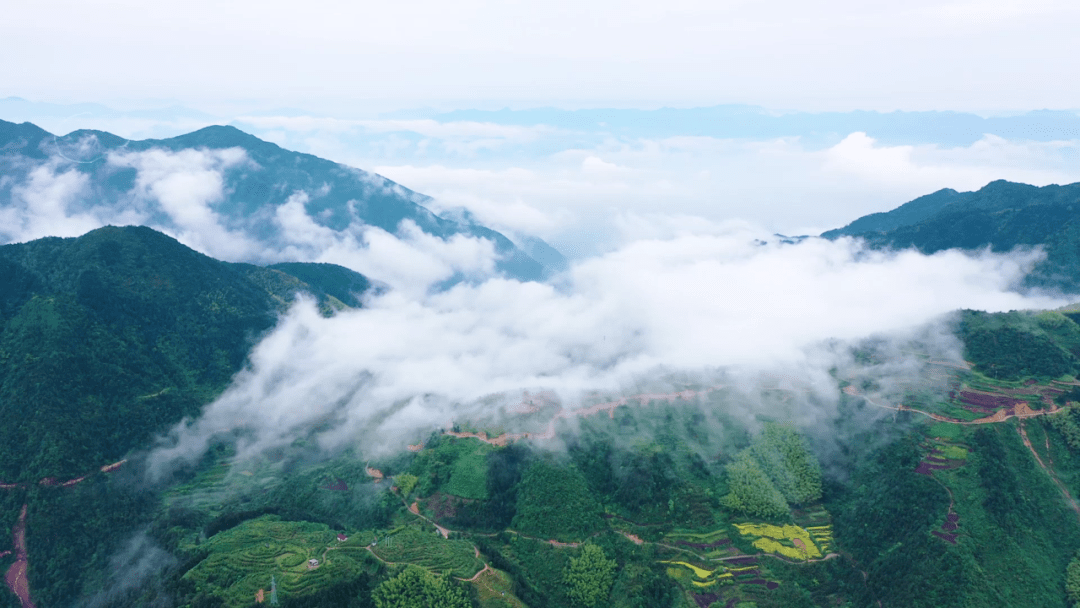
(985, 55)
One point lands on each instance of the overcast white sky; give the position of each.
(986, 55)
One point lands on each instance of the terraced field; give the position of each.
(428, 549)
(710, 545)
(790, 541)
(242, 560)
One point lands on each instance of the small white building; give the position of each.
(312, 563)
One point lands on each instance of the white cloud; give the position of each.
(42, 206)
(410, 261)
(927, 168)
(53, 198)
(186, 185)
(693, 302)
(473, 189)
(570, 197)
(457, 137)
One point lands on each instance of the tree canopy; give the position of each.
(775, 471)
(415, 587)
(589, 577)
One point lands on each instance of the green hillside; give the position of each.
(1002, 215)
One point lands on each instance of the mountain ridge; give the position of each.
(1002, 215)
(332, 195)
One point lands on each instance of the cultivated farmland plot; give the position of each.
(427, 549)
(240, 561)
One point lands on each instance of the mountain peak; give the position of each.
(219, 136)
(22, 138)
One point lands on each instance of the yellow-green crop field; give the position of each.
(780, 540)
(701, 577)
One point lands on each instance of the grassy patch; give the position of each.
(495, 589)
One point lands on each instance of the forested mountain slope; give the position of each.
(1002, 215)
(112, 336)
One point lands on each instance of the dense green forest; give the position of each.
(119, 333)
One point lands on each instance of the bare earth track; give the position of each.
(15, 577)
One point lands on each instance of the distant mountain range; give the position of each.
(755, 122)
(1002, 215)
(335, 197)
(722, 121)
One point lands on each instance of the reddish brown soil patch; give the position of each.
(770, 585)
(945, 536)
(998, 416)
(339, 485)
(951, 524)
(926, 468)
(987, 401)
(376, 473)
(71, 482)
(16, 575)
(109, 468)
(446, 505)
(609, 407)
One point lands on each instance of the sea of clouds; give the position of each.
(671, 292)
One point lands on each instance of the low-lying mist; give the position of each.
(712, 306)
